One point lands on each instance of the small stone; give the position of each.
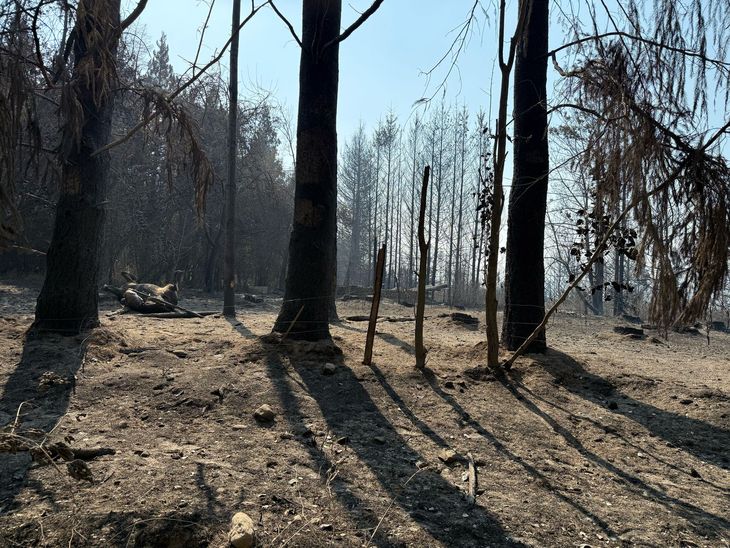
(344, 440)
(264, 414)
(329, 369)
(239, 427)
(180, 353)
(694, 473)
(421, 464)
(378, 440)
(449, 384)
(686, 401)
(326, 527)
(242, 533)
(449, 456)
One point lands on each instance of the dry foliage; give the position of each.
(643, 147)
(184, 147)
(17, 115)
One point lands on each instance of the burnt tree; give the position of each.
(525, 269)
(68, 301)
(310, 280)
(229, 259)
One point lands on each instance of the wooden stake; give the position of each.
(423, 250)
(473, 480)
(379, 267)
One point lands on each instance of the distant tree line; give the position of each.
(380, 180)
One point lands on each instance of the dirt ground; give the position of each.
(603, 441)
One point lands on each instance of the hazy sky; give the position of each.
(381, 64)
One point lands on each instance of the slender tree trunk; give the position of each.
(229, 289)
(499, 159)
(413, 199)
(388, 224)
(422, 274)
(459, 227)
(452, 222)
(312, 249)
(354, 257)
(525, 265)
(68, 301)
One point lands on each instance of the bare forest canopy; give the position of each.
(633, 124)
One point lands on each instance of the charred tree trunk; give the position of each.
(311, 273)
(525, 268)
(68, 301)
(229, 289)
(422, 274)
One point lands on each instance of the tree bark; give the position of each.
(311, 273)
(422, 274)
(525, 268)
(68, 301)
(229, 269)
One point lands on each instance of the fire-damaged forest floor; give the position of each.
(605, 440)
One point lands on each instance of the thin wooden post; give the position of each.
(422, 266)
(379, 268)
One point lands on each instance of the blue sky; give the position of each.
(381, 65)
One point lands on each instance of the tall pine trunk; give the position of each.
(68, 301)
(525, 268)
(311, 274)
(229, 268)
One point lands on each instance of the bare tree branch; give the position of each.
(596, 37)
(352, 28)
(151, 116)
(132, 17)
(286, 22)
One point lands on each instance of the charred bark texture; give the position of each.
(525, 269)
(68, 301)
(310, 278)
(229, 274)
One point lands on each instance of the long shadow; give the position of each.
(701, 519)
(704, 440)
(500, 447)
(418, 423)
(346, 407)
(515, 378)
(241, 329)
(395, 341)
(37, 392)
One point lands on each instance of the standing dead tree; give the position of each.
(497, 192)
(229, 275)
(311, 271)
(422, 273)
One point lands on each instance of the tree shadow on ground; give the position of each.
(431, 377)
(36, 394)
(702, 520)
(704, 440)
(395, 341)
(431, 501)
(241, 329)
